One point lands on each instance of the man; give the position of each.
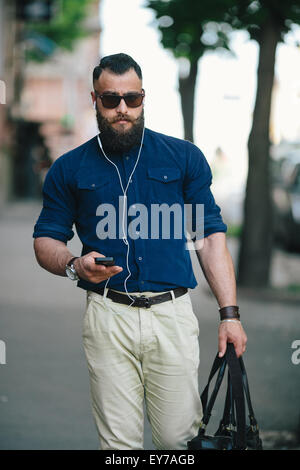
(139, 331)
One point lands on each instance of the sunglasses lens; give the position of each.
(110, 101)
(134, 100)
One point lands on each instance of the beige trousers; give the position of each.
(136, 354)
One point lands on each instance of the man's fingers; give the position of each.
(222, 345)
(105, 271)
(238, 349)
(93, 272)
(114, 270)
(240, 344)
(232, 333)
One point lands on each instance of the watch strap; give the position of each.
(72, 260)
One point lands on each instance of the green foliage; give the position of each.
(191, 27)
(234, 231)
(62, 31)
(294, 288)
(252, 15)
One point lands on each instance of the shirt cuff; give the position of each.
(58, 232)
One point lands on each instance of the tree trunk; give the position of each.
(256, 241)
(187, 95)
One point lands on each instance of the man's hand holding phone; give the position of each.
(91, 268)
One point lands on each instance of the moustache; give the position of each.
(122, 118)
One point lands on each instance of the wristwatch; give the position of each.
(71, 271)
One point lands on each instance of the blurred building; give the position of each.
(57, 92)
(45, 107)
(7, 41)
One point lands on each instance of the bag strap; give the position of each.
(252, 418)
(238, 397)
(218, 362)
(236, 393)
(228, 418)
(218, 365)
(210, 405)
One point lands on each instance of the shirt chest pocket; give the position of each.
(165, 185)
(93, 191)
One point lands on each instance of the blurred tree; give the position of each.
(62, 31)
(267, 22)
(189, 28)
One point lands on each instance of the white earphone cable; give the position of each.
(124, 238)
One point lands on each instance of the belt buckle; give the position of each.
(142, 302)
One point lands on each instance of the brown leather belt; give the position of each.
(141, 301)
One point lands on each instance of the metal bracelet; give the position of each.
(230, 320)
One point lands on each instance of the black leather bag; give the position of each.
(233, 433)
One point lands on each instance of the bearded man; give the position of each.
(140, 333)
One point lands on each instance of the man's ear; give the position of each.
(93, 99)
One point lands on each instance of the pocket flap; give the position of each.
(164, 175)
(90, 182)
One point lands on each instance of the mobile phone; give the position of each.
(107, 261)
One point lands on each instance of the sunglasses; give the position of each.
(132, 100)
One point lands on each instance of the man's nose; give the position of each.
(122, 107)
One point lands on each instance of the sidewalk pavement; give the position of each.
(44, 386)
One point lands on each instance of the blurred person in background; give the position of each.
(140, 333)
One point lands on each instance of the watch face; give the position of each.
(71, 273)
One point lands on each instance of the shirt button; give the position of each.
(140, 258)
(165, 177)
(93, 185)
(142, 282)
(127, 157)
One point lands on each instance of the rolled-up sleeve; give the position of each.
(197, 192)
(59, 205)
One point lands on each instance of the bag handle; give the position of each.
(252, 418)
(207, 408)
(237, 391)
(238, 397)
(217, 364)
(226, 414)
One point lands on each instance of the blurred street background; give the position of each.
(224, 75)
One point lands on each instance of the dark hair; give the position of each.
(118, 64)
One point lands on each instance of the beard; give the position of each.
(116, 142)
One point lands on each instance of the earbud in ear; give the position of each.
(94, 104)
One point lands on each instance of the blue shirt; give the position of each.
(170, 171)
